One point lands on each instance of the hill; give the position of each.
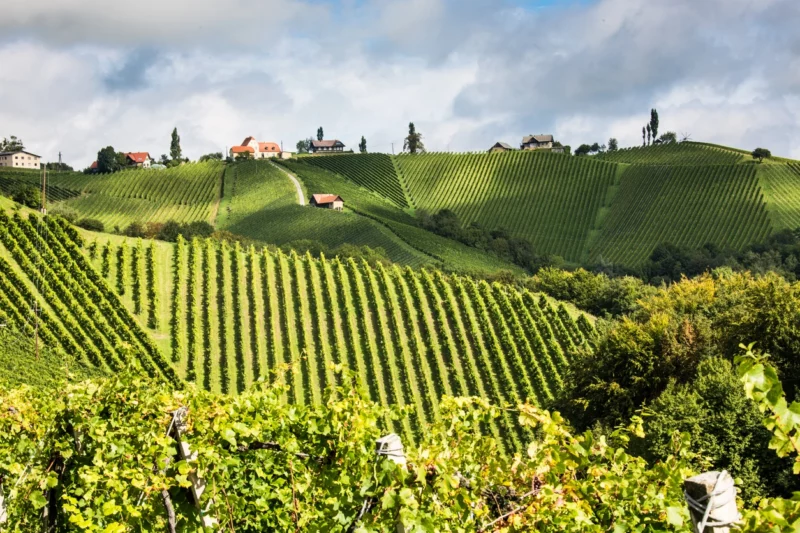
(685, 153)
(229, 316)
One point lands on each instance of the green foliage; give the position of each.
(90, 224)
(28, 196)
(362, 146)
(413, 142)
(110, 440)
(11, 144)
(175, 151)
(684, 154)
(215, 156)
(320, 133)
(107, 160)
(761, 154)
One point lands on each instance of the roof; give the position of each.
(537, 138)
(138, 157)
(242, 149)
(247, 140)
(326, 144)
(503, 145)
(268, 147)
(93, 166)
(20, 152)
(326, 198)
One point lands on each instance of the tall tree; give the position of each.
(649, 132)
(669, 137)
(320, 134)
(362, 146)
(303, 146)
(654, 123)
(644, 133)
(107, 160)
(12, 144)
(761, 154)
(413, 143)
(613, 145)
(175, 145)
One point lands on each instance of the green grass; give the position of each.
(550, 199)
(688, 206)
(685, 153)
(781, 186)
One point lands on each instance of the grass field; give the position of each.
(227, 316)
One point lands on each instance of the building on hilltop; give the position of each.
(536, 142)
(328, 201)
(138, 159)
(260, 150)
(327, 146)
(20, 159)
(500, 147)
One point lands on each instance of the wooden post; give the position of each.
(391, 447)
(186, 454)
(711, 497)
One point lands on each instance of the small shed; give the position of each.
(500, 147)
(328, 201)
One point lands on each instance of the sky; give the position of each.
(79, 75)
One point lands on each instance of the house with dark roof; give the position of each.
(536, 142)
(328, 201)
(327, 146)
(138, 159)
(20, 159)
(500, 147)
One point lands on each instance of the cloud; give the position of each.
(84, 74)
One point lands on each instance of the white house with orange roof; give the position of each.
(259, 150)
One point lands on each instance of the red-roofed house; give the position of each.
(237, 151)
(260, 150)
(328, 201)
(138, 159)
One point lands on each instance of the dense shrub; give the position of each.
(91, 224)
(28, 196)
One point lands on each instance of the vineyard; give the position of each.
(550, 199)
(236, 315)
(690, 206)
(81, 319)
(375, 172)
(12, 179)
(685, 153)
(781, 185)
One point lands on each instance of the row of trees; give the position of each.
(109, 160)
(412, 143)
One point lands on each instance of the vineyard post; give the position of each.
(198, 484)
(711, 498)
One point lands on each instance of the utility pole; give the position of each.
(392, 148)
(59, 160)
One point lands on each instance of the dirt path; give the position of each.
(300, 197)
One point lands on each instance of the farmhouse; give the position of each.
(20, 159)
(138, 159)
(327, 146)
(536, 142)
(500, 147)
(260, 150)
(328, 201)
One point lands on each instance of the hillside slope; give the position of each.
(234, 315)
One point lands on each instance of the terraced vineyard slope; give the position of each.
(11, 179)
(81, 318)
(682, 205)
(553, 200)
(236, 315)
(685, 153)
(372, 171)
(781, 185)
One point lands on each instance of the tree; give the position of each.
(362, 146)
(613, 145)
(304, 146)
(583, 149)
(761, 154)
(164, 159)
(215, 156)
(413, 143)
(12, 144)
(27, 195)
(107, 160)
(595, 148)
(668, 137)
(175, 145)
(649, 133)
(59, 166)
(320, 134)
(644, 132)
(654, 123)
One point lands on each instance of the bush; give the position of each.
(65, 212)
(135, 229)
(28, 196)
(91, 224)
(199, 229)
(170, 231)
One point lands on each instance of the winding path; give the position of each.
(300, 197)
